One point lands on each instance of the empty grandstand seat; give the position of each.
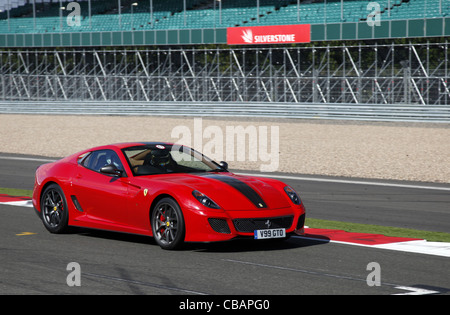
(201, 14)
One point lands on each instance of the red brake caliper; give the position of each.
(163, 228)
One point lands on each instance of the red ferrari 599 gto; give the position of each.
(167, 191)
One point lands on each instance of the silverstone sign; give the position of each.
(278, 34)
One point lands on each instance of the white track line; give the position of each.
(16, 158)
(291, 177)
(24, 203)
(345, 181)
(418, 246)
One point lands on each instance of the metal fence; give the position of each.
(372, 74)
(391, 74)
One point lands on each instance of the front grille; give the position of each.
(250, 225)
(219, 225)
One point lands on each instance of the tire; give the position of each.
(54, 211)
(168, 224)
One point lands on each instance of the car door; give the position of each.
(103, 197)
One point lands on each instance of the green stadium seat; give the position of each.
(169, 14)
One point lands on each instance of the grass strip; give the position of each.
(16, 192)
(378, 229)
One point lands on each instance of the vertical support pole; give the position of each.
(184, 11)
(8, 14)
(151, 13)
(34, 14)
(90, 14)
(257, 10)
(220, 12)
(119, 7)
(446, 71)
(60, 16)
(389, 8)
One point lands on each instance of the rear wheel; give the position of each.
(168, 224)
(54, 212)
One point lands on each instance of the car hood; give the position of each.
(234, 192)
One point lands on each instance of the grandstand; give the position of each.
(427, 17)
(175, 51)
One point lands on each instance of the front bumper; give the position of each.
(213, 226)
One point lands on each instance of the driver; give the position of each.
(160, 159)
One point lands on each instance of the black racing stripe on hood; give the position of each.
(242, 187)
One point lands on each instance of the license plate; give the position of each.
(270, 233)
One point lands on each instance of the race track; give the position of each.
(35, 262)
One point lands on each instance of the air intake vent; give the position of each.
(219, 225)
(301, 222)
(76, 203)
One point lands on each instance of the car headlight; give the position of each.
(205, 200)
(292, 195)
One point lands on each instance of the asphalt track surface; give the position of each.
(34, 261)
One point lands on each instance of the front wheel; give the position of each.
(54, 212)
(168, 224)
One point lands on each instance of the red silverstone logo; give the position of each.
(278, 34)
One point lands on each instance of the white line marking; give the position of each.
(415, 291)
(311, 179)
(16, 158)
(25, 203)
(418, 246)
(345, 181)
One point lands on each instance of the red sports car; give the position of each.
(167, 191)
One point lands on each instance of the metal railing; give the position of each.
(414, 76)
(369, 112)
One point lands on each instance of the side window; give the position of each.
(97, 159)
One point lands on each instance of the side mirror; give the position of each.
(224, 165)
(111, 169)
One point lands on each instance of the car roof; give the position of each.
(123, 145)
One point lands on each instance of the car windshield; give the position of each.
(163, 158)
